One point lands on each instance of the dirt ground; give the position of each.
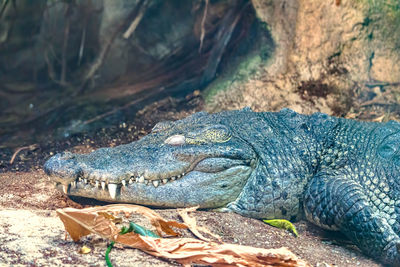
(32, 235)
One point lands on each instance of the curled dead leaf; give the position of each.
(80, 222)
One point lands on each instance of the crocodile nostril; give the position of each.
(63, 165)
(67, 155)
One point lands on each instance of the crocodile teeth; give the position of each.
(112, 189)
(65, 189)
(141, 179)
(73, 184)
(124, 182)
(85, 181)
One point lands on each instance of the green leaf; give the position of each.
(133, 227)
(282, 224)
(141, 230)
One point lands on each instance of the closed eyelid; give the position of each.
(386, 151)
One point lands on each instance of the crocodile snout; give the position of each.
(64, 166)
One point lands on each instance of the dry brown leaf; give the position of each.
(110, 217)
(80, 222)
(190, 251)
(193, 227)
(380, 118)
(84, 250)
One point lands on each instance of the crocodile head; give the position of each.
(195, 161)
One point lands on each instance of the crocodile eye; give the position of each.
(218, 134)
(212, 134)
(386, 151)
(162, 126)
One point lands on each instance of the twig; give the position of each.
(380, 84)
(82, 45)
(30, 147)
(136, 21)
(3, 7)
(224, 35)
(203, 21)
(380, 100)
(104, 51)
(98, 61)
(50, 68)
(65, 45)
(377, 103)
(87, 10)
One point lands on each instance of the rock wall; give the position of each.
(333, 54)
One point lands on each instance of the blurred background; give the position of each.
(98, 73)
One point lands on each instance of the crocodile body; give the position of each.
(339, 174)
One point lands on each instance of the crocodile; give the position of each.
(337, 173)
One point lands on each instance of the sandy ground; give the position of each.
(32, 234)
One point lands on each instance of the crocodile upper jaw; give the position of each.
(207, 190)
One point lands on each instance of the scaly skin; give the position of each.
(339, 174)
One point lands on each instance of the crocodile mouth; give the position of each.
(84, 183)
(94, 184)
